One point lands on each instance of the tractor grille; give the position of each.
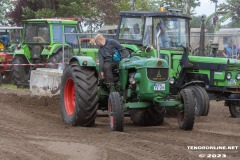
(157, 74)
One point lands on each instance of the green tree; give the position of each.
(232, 6)
(197, 21)
(6, 6)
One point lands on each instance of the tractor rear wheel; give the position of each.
(20, 73)
(79, 95)
(234, 109)
(186, 117)
(202, 99)
(58, 58)
(115, 112)
(152, 116)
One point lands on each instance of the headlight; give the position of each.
(171, 80)
(132, 80)
(238, 76)
(229, 76)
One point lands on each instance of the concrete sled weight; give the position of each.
(45, 82)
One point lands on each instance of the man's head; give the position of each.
(99, 40)
(136, 28)
(231, 42)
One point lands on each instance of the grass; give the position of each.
(13, 87)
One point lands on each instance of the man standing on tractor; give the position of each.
(231, 51)
(106, 52)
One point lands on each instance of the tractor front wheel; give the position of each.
(20, 72)
(186, 117)
(115, 112)
(79, 95)
(202, 107)
(234, 109)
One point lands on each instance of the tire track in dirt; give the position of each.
(33, 126)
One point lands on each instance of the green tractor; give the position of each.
(142, 90)
(209, 78)
(174, 34)
(42, 43)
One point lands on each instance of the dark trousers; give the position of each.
(107, 69)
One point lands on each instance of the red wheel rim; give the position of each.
(69, 96)
(110, 114)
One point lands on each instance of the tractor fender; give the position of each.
(59, 48)
(193, 83)
(22, 55)
(23, 51)
(84, 61)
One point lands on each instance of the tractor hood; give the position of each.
(140, 62)
(206, 62)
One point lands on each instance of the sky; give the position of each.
(207, 7)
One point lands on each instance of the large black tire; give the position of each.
(21, 74)
(152, 116)
(58, 58)
(79, 95)
(186, 117)
(234, 109)
(115, 112)
(202, 99)
(207, 100)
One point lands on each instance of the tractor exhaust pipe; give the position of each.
(157, 43)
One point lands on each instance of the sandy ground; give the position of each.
(32, 128)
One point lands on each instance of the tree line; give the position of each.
(98, 12)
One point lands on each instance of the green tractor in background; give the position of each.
(209, 78)
(42, 43)
(174, 34)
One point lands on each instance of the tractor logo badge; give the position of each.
(158, 74)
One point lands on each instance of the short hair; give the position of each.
(100, 38)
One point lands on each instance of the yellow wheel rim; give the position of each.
(1, 47)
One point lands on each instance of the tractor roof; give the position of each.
(50, 21)
(153, 14)
(9, 28)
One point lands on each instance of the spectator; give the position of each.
(231, 51)
(164, 40)
(137, 34)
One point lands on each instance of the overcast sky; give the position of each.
(207, 7)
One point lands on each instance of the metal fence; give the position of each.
(80, 42)
(211, 39)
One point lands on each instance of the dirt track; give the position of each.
(32, 128)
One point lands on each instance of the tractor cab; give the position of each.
(9, 37)
(141, 28)
(42, 35)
